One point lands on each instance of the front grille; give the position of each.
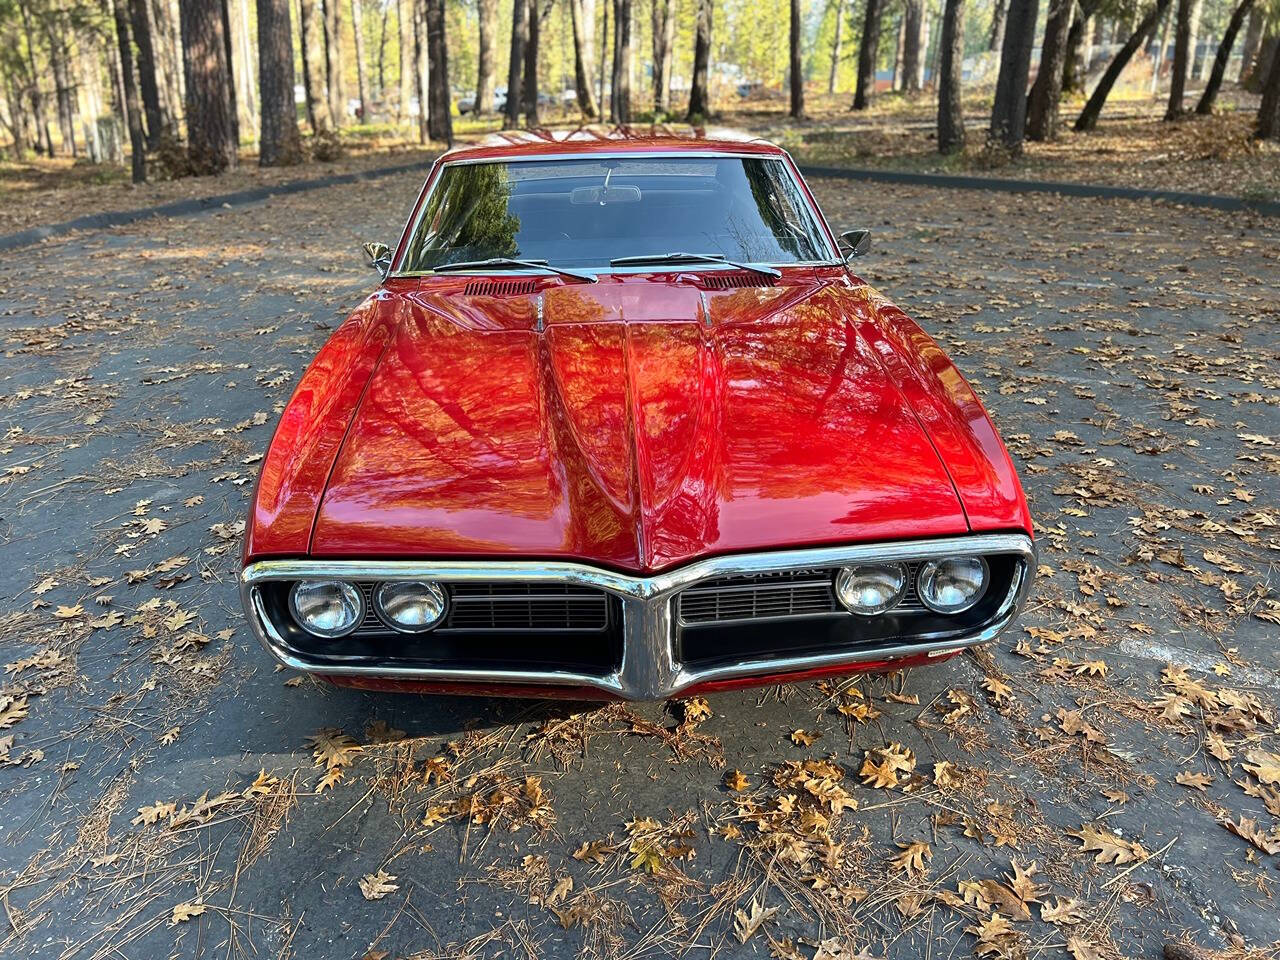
(511, 607)
(775, 596)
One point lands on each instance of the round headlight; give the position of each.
(952, 585)
(871, 588)
(327, 608)
(410, 605)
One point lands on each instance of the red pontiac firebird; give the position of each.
(620, 421)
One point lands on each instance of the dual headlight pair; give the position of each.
(946, 585)
(333, 608)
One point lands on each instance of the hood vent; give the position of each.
(728, 281)
(499, 288)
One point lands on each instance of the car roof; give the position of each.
(513, 144)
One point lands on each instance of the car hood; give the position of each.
(632, 423)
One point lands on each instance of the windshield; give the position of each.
(585, 212)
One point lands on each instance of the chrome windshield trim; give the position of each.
(781, 156)
(617, 271)
(649, 667)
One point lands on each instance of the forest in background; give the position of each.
(180, 87)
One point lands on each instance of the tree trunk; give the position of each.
(167, 67)
(1269, 109)
(604, 49)
(487, 16)
(664, 43)
(421, 68)
(519, 39)
(1088, 118)
(362, 76)
(440, 120)
(835, 47)
(1252, 42)
(950, 107)
(140, 21)
(211, 146)
(1261, 64)
(912, 24)
(699, 90)
(280, 144)
(1181, 51)
(382, 53)
(1075, 61)
(899, 41)
(995, 37)
(531, 51)
(868, 54)
(133, 111)
(64, 101)
(313, 67)
(1162, 46)
(334, 84)
(404, 61)
(797, 67)
(584, 58)
(44, 139)
(1046, 92)
(1205, 106)
(229, 76)
(1193, 38)
(246, 71)
(1009, 111)
(620, 101)
(17, 116)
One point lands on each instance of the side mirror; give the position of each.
(857, 242)
(379, 255)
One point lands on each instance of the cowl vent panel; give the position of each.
(499, 288)
(730, 281)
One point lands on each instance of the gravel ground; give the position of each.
(1102, 780)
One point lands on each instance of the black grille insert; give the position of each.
(509, 607)
(778, 628)
(489, 625)
(771, 596)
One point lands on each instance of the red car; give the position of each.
(621, 422)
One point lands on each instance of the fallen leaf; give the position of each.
(375, 886)
(696, 710)
(186, 911)
(746, 924)
(1109, 847)
(595, 851)
(802, 738)
(1082, 949)
(1063, 912)
(1196, 781)
(912, 858)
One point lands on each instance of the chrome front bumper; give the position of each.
(650, 669)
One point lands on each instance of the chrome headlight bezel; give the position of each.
(891, 571)
(348, 591)
(930, 568)
(430, 589)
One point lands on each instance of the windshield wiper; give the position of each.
(693, 258)
(509, 263)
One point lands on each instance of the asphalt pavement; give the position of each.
(166, 791)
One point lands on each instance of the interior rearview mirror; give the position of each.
(856, 243)
(605, 195)
(379, 255)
